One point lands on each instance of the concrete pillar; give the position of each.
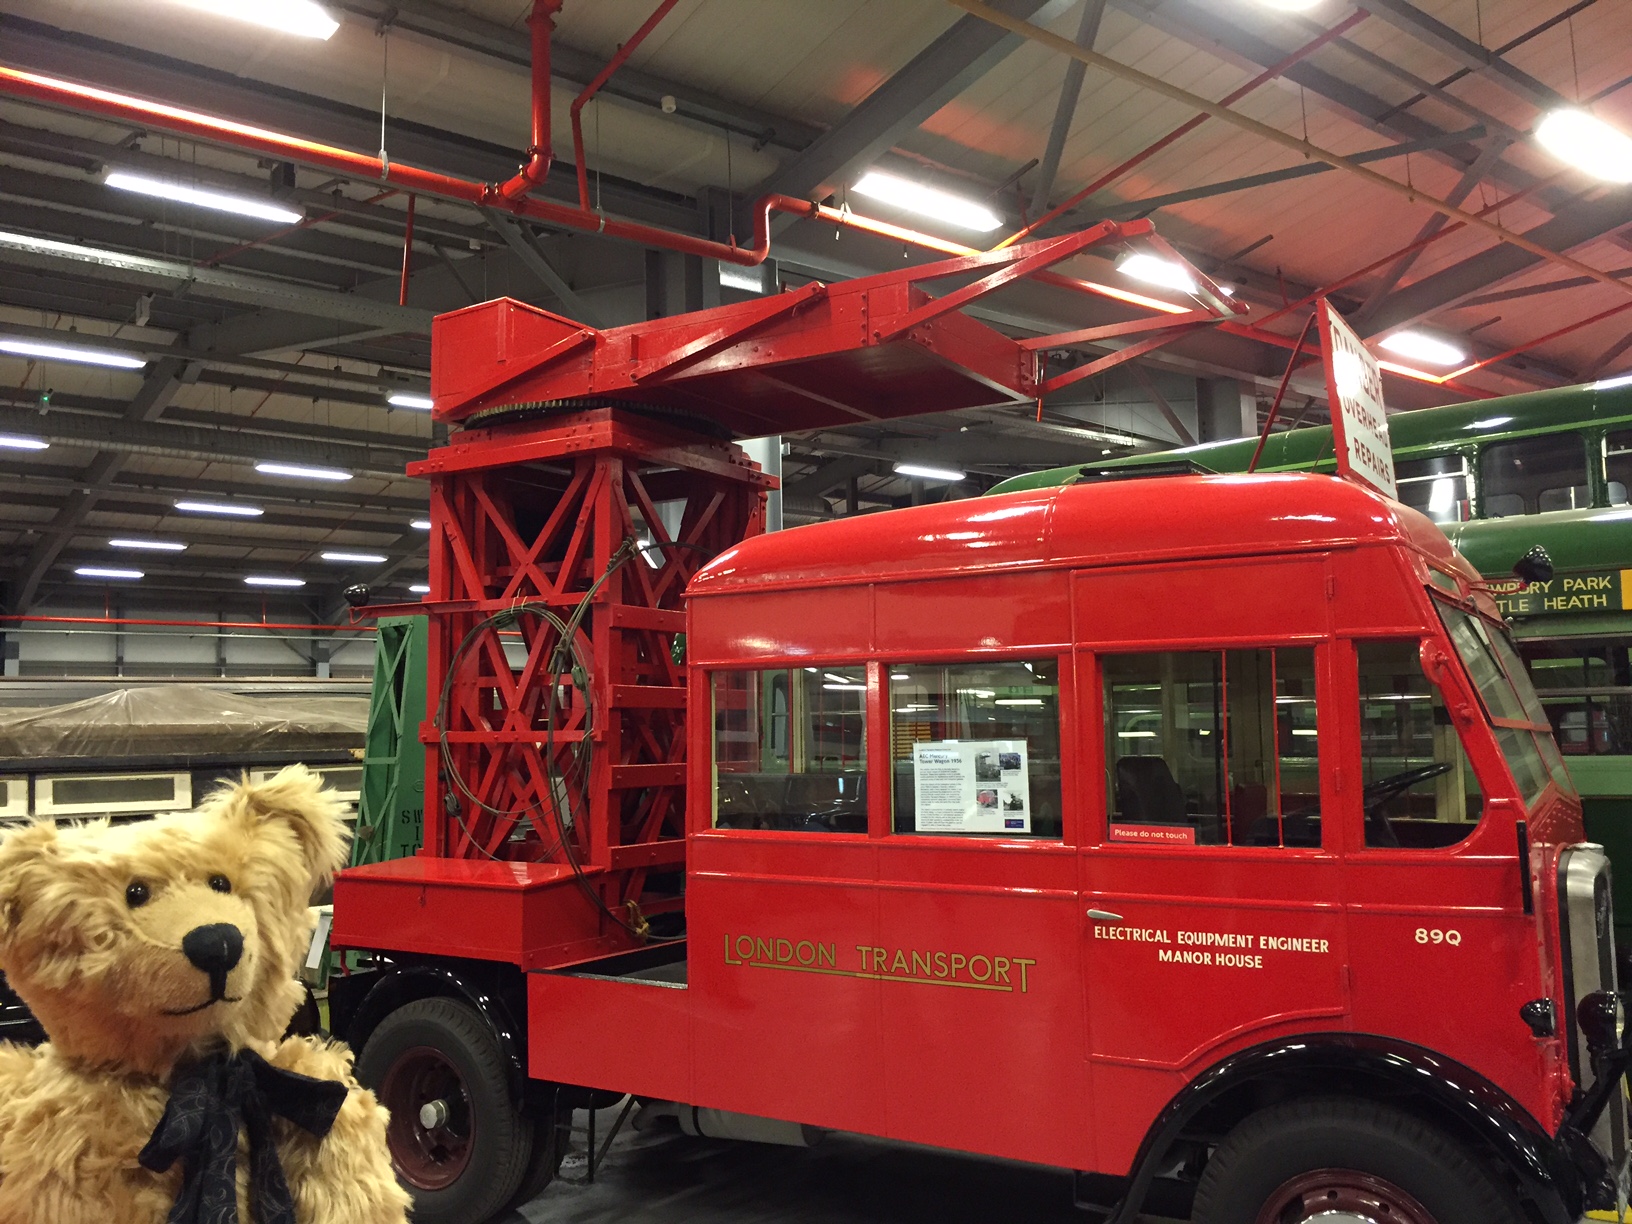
(1225, 409)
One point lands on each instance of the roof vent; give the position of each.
(1140, 471)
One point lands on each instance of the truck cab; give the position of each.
(1200, 834)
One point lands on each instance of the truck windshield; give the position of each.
(1522, 730)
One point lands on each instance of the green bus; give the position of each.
(1501, 476)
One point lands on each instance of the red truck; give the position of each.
(1201, 834)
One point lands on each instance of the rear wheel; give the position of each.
(457, 1140)
(1346, 1162)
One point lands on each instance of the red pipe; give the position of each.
(407, 251)
(1184, 129)
(590, 90)
(1280, 394)
(539, 154)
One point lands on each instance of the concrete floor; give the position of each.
(666, 1178)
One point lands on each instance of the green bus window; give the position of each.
(790, 749)
(1438, 487)
(1213, 748)
(1418, 790)
(1585, 687)
(1618, 466)
(975, 748)
(1533, 475)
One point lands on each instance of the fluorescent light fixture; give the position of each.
(1609, 384)
(840, 679)
(1290, 6)
(1489, 422)
(926, 471)
(199, 197)
(845, 688)
(19, 442)
(1018, 701)
(420, 588)
(927, 201)
(100, 571)
(1588, 143)
(900, 676)
(301, 17)
(1419, 346)
(150, 545)
(1138, 734)
(749, 280)
(301, 471)
(233, 508)
(403, 400)
(1154, 270)
(420, 524)
(268, 580)
(72, 352)
(361, 558)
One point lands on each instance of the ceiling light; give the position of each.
(421, 524)
(1422, 347)
(301, 17)
(420, 588)
(845, 688)
(927, 201)
(361, 558)
(268, 581)
(150, 545)
(98, 571)
(1609, 384)
(1154, 270)
(19, 442)
(68, 352)
(1290, 6)
(404, 400)
(235, 508)
(301, 471)
(1588, 143)
(221, 201)
(926, 471)
(1018, 701)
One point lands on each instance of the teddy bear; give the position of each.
(160, 957)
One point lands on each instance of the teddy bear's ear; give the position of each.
(25, 855)
(294, 797)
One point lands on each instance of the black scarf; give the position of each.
(209, 1101)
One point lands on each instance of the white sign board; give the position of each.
(1354, 383)
(971, 786)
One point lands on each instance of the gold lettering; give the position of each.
(826, 954)
(920, 964)
(865, 952)
(745, 948)
(899, 964)
(782, 957)
(959, 960)
(1024, 964)
(763, 950)
(806, 952)
(976, 973)
(878, 961)
(940, 964)
(1000, 966)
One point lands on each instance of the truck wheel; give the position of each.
(1346, 1162)
(545, 1162)
(457, 1141)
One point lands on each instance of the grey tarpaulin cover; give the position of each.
(183, 720)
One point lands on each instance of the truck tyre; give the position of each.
(545, 1162)
(1350, 1161)
(457, 1140)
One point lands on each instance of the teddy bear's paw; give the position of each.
(316, 1057)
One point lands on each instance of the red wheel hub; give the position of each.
(432, 1129)
(1342, 1196)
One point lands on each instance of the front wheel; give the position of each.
(458, 1143)
(1341, 1161)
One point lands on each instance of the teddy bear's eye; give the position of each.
(136, 894)
(220, 883)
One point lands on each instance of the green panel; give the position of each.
(1602, 777)
(391, 809)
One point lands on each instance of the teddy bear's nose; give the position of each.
(215, 948)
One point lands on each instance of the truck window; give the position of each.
(790, 749)
(1418, 789)
(1509, 701)
(1213, 748)
(975, 748)
(1533, 475)
(1438, 487)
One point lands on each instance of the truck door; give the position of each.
(1212, 904)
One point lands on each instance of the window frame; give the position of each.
(1593, 484)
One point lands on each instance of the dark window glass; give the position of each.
(790, 749)
(975, 748)
(1533, 475)
(1213, 748)
(1418, 789)
(1618, 465)
(1438, 487)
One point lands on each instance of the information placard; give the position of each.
(1354, 383)
(971, 786)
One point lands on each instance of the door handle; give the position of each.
(1099, 915)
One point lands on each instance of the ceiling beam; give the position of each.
(1065, 110)
(523, 242)
(932, 78)
(1463, 50)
